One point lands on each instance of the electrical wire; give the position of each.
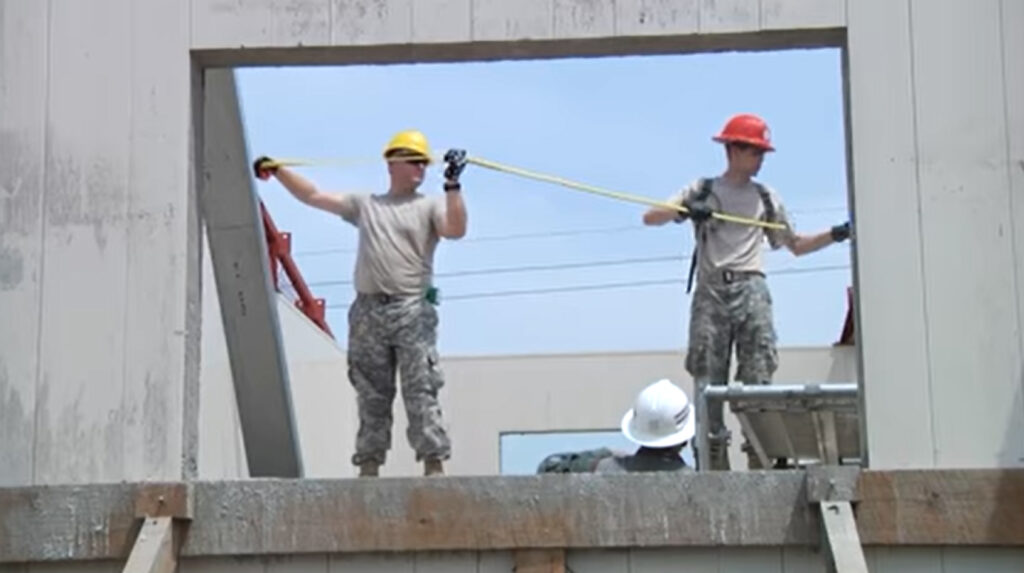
(531, 268)
(605, 286)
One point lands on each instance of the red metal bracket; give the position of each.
(279, 247)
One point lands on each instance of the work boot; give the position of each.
(433, 467)
(369, 469)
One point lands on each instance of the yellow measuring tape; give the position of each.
(549, 179)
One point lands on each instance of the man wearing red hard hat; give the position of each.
(732, 305)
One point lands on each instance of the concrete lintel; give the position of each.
(564, 511)
(522, 49)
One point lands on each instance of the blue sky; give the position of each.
(641, 125)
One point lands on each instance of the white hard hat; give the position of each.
(662, 416)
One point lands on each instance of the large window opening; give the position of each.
(548, 273)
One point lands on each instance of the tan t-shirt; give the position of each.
(397, 239)
(736, 246)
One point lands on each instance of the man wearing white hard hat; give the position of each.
(661, 422)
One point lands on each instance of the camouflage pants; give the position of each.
(385, 336)
(724, 315)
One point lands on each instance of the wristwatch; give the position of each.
(449, 186)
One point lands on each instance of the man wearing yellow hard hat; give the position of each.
(393, 319)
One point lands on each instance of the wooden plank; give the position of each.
(890, 276)
(965, 217)
(442, 20)
(845, 554)
(583, 18)
(155, 548)
(158, 195)
(24, 35)
(247, 301)
(797, 14)
(947, 507)
(1013, 73)
(540, 561)
(80, 419)
(656, 17)
(229, 23)
(736, 510)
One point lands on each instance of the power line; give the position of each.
(607, 286)
(544, 234)
(530, 268)
(491, 238)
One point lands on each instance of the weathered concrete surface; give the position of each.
(574, 511)
(94, 242)
(939, 321)
(246, 295)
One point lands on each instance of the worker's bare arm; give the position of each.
(660, 215)
(306, 191)
(454, 224)
(805, 244)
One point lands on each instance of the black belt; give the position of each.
(730, 276)
(384, 298)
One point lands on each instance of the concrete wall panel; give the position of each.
(442, 20)
(360, 22)
(656, 17)
(1011, 16)
(718, 16)
(158, 269)
(790, 14)
(227, 23)
(80, 426)
(974, 350)
(24, 45)
(893, 329)
(583, 18)
(495, 20)
(94, 242)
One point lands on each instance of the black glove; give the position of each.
(262, 171)
(700, 211)
(841, 232)
(456, 160)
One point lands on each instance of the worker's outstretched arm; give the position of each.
(660, 215)
(303, 189)
(453, 225)
(805, 244)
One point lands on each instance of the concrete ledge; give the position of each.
(263, 517)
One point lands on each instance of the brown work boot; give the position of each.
(433, 468)
(369, 469)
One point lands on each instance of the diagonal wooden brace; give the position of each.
(834, 490)
(166, 512)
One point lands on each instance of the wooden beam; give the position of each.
(845, 554)
(565, 511)
(156, 548)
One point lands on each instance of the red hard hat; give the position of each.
(746, 128)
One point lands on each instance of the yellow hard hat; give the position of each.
(410, 140)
